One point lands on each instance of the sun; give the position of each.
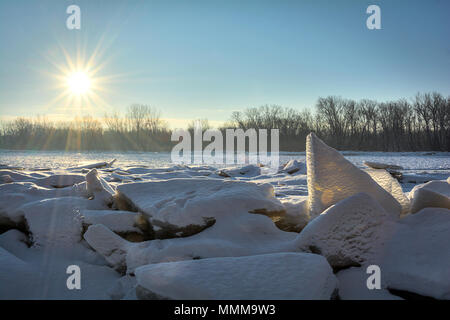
(79, 82)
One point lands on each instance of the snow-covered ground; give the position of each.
(139, 227)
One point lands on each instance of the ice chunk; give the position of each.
(391, 185)
(108, 244)
(379, 165)
(294, 166)
(431, 194)
(98, 188)
(350, 233)
(296, 216)
(269, 276)
(55, 221)
(332, 178)
(190, 205)
(6, 178)
(60, 180)
(246, 171)
(16, 194)
(118, 221)
(96, 165)
(236, 235)
(417, 258)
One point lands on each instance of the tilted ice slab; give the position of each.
(332, 178)
(352, 232)
(434, 194)
(417, 258)
(269, 276)
(181, 203)
(391, 185)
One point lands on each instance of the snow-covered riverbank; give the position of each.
(199, 232)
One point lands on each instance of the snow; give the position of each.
(270, 276)
(332, 178)
(430, 194)
(351, 232)
(98, 188)
(116, 220)
(40, 273)
(246, 171)
(240, 235)
(55, 221)
(233, 226)
(294, 166)
(352, 286)
(391, 185)
(108, 244)
(417, 257)
(183, 203)
(16, 276)
(379, 165)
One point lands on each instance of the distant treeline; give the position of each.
(420, 124)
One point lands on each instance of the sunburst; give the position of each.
(81, 86)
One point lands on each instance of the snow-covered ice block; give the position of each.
(96, 165)
(296, 216)
(14, 195)
(434, 194)
(98, 188)
(411, 254)
(294, 166)
(379, 165)
(391, 185)
(350, 233)
(241, 235)
(60, 180)
(117, 221)
(236, 235)
(270, 276)
(108, 244)
(246, 171)
(417, 258)
(187, 206)
(55, 221)
(353, 286)
(332, 178)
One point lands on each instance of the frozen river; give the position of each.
(416, 161)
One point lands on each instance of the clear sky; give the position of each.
(205, 59)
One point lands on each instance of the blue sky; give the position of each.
(205, 59)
